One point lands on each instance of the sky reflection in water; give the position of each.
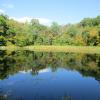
(49, 76)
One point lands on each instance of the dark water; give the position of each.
(49, 76)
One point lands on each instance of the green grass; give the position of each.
(43, 48)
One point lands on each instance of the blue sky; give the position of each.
(62, 11)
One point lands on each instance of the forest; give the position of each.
(84, 33)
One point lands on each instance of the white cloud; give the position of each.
(8, 5)
(44, 70)
(40, 71)
(23, 20)
(43, 21)
(2, 11)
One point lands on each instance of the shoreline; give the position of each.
(52, 48)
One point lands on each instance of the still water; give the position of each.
(27, 75)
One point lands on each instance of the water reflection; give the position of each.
(13, 62)
(27, 75)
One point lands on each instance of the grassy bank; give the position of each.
(77, 49)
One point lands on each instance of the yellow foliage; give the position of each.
(93, 32)
(79, 40)
(8, 43)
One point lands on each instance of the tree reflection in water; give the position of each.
(13, 62)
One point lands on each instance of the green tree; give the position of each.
(55, 28)
(3, 24)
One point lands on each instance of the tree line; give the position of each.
(84, 33)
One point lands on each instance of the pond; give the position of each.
(28, 75)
